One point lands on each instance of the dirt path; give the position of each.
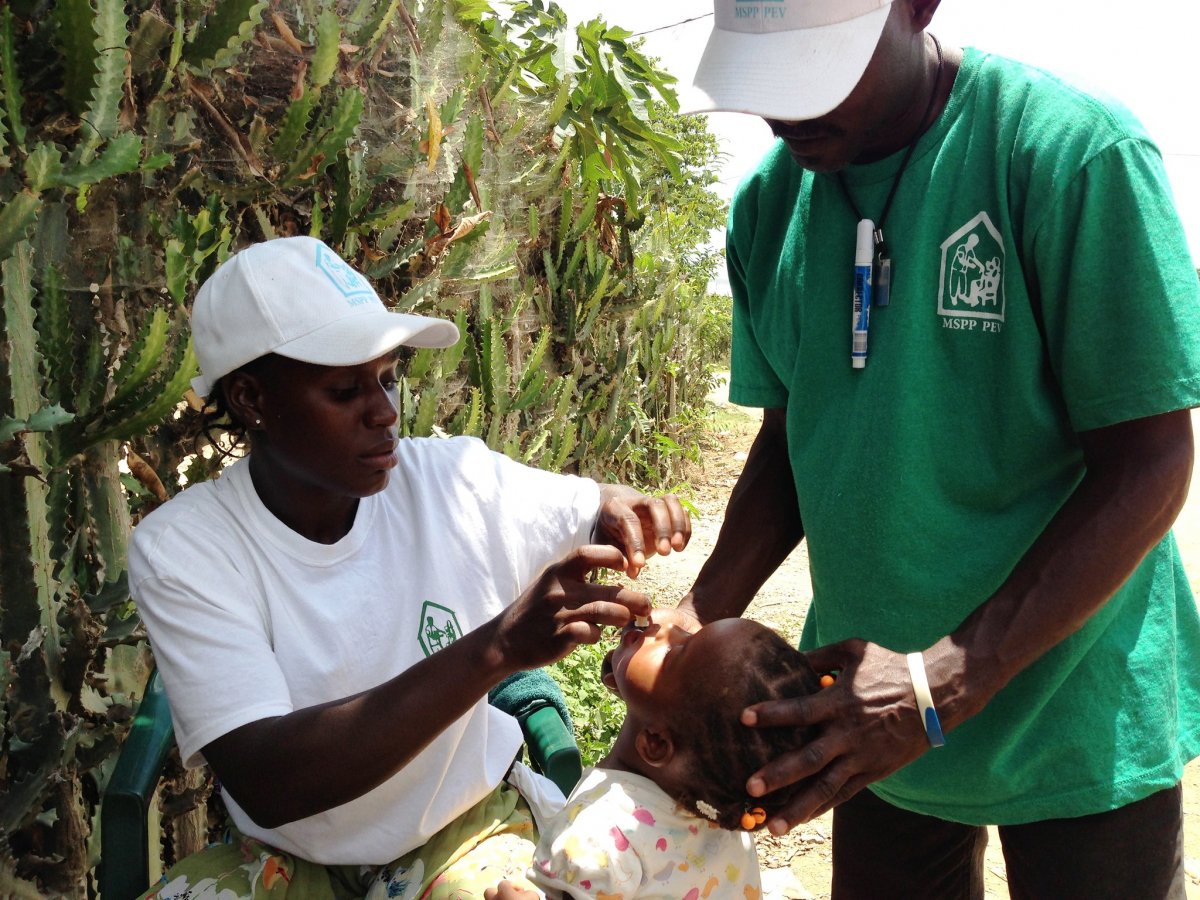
(797, 866)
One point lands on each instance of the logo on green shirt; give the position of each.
(971, 292)
(439, 628)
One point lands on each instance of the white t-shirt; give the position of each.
(248, 619)
(621, 835)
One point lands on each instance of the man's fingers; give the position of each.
(643, 525)
(791, 767)
(848, 790)
(824, 793)
(792, 712)
(830, 658)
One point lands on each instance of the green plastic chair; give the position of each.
(533, 698)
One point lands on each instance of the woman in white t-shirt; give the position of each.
(329, 615)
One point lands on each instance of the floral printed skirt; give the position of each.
(492, 841)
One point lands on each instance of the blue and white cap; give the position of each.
(785, 59)
(297, 298)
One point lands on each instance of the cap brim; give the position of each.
(358, 339)
(785, 75)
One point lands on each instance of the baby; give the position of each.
(665, 813)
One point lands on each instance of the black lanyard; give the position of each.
(881, 266)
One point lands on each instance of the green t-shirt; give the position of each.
(923, 478)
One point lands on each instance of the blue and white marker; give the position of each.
(864, 253)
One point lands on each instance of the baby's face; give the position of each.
(670, 663)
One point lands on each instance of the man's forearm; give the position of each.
(1136, 484)
(761, 527)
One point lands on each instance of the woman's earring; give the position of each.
(257, 422)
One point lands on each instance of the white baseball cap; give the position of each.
(297, 298)
(785, 59)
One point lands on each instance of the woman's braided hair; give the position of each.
(722, 752)
(224, 431)
(218, 427)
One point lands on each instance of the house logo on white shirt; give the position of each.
(439, 628)
(971, 290)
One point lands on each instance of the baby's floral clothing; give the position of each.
(621, 837)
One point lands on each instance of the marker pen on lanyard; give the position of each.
(864, 253)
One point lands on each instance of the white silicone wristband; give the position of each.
(929, 716)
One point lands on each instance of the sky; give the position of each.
(1144, 54)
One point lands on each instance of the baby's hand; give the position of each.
(506, 890)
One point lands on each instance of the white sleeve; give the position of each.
(540, 516)
(563, 517)
(209, 638)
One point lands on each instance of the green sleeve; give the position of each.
(753, 381)
(1119, 295)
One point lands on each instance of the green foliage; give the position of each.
(615, 224)
(716, 328)
(478, 162)
(220, 34)
(111, 28)
(10, 82)
(596, 712)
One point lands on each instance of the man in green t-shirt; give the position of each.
(976, 411)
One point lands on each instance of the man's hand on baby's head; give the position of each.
(506, 890)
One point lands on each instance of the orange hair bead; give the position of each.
(827, 680)
(753, 817)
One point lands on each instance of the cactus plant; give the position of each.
(477, 163)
